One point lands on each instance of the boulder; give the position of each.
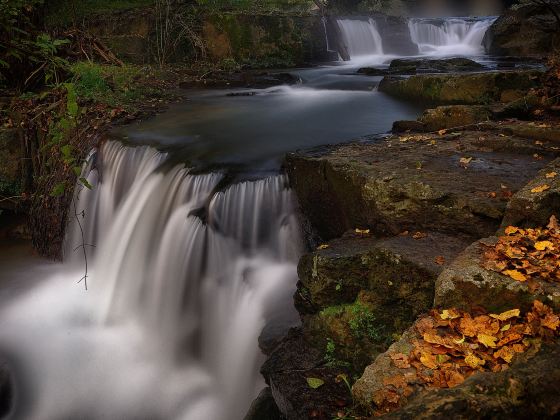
(360, 291)
(526, 30)
(6, 392)
(412, 66)
(465, 284)
(528, 208)
(288, 371)
(449, 184)
(467, 89)
(263, 407)
(446, 117)
(396, 36)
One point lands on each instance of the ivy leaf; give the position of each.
(315, 383)
(58, 189)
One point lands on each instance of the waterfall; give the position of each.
(456, 36)
(361, 37)
(168, 327)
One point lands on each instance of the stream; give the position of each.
(192, 240)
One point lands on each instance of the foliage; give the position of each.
(453, 345)
(527, 255)
(65, 12)
(363, 323)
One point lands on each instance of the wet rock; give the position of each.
(525, 30)
(529, 389)
(287, 371)
(226, 80)
(470, 89)
(446, 117)
(413, 66)
(264, 407)
(10, 170)
(465, 284)
(533, 209)
(359, 291)
(395, 35)
(450, 184)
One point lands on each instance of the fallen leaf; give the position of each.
(510, 230)
(504, 316)
(516, 275)
(420, 235)
(315, 383)
(553, 224)
(442, 132)
(472, 361)
(542, 245)
(362, 231)
(465, 161)
(440, 260)
(450, 314)
(505, 353)
(428, 360)
(487, 340)
(551, 321)
(540, 189)
(324, 246)
(551, 175)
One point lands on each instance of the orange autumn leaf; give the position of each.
(487, 340)
(540, 189)
(542, 245)
(504, 316)
(505, 353)
(551, 175)
(516, 275)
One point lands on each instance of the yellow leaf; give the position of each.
(540, 189)
(449, 314)
(362, 231)
(465, 160)
(472, 361)
(505, 327)
(442, 132)
(516, 275)
(487, 340)
(504, 316)
(461, 341)
(324, 246)
(551, 175)
(428, 360)
(542, 245)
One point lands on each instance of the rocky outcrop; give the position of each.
(449, 184)
(396, 35)
(292, 372)
(412, 66)
(466, 284)
(525, 30)
(446, 117)
(533, 205)
(474, 89)
(359, 292)
(263, 407)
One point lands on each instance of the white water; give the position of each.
(450, 36)
(361, 37)
(169, 325)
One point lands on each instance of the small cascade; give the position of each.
(361, 37)
(168, 328)
(449, 36)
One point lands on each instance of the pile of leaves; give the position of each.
(527, 255)
(452, 345)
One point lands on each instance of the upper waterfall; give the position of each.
(449, 36)
(361, 37)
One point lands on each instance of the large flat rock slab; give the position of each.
(456, 183)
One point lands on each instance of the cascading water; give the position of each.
(361, 37)
(449, 36)
(168, 328)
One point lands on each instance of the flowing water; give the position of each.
(192, 243)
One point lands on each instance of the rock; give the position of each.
(414, 183)
(413, 66)
(529, 389)
(525, 30)
(359, 292)
(405, 125)
(446, 117)
(470, 89)
(10, 170)
(465, 284)
(395, 35)
(264, 407)
(247, 79)
(532, 209)
(287, 371)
